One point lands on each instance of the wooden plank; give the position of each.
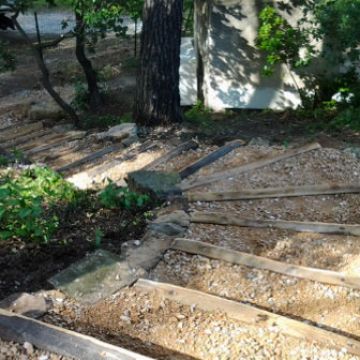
(17, 142)
(20, 131)
(251, 315)
(64, 342)
(247, 167)
(210, 158)
(90, 158)
(188, 145)
(259, 262)
(218, 218)
(41, 141)
(292, 191)
(74, 135)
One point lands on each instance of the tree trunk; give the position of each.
(45, 76)
(157, 95)
(95, 98)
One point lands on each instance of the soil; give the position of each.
(26, 267)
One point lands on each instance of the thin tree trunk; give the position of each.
(45, 76)
(158, 95)
(95, 98)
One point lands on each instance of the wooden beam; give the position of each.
(70, 136)
(247, 167)
(64, 342)
(218, 218)
(251, 315)
(20, 131)
(52, 137)
(188, 145)
(259, 262)
(90, 158)
(25, 139)
(292, 191)
(210, 158)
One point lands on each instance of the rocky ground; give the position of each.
(164, 329)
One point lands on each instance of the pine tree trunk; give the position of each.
(158, 96)
(95, 98)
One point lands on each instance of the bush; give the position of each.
(113, 197)
(198, 114)
(28, 201)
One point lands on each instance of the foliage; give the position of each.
(280, 42)
(113, 197)
(80, 101)
(7, 59)
(336, 22)
(27, 202)
(4, 161)
(199, 114)
(99, 235)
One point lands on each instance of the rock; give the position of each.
(94, 277)
(25, 304)
(178, 217)
(354, 151)
(46, 111)
(159, 185)
(168, 229)
(258, 141)
(125, 133)
(28, 347)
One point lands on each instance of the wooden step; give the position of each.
(16, 132)
(22, 140)
(70, 136)
(292, 191)
(223, 175)
(218, 218)
(259, 262)
(64, 342)
(251, 315)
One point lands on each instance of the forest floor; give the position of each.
(165, 329)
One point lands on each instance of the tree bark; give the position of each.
(95, 98)
(158, 95)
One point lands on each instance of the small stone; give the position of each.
(29, 348)
(25, 304)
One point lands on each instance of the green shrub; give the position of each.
(28, 201)
(199, 114)
(113, 197)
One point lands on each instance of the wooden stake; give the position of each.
(210, 158)
(258, 262)
(251, 315)
(317, 227)
(307, 190)
(68, 343)
(247, 167)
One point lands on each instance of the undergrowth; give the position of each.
(35, 202)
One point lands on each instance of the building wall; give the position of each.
(226, 31)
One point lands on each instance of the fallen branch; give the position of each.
(68, 343)
(251, 315)
(317, 227)
(247, 167)
(307, 190)
(210, 158)
(258, 262)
